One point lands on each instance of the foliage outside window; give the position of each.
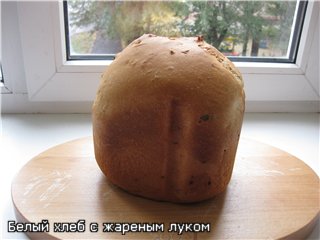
(261, 29)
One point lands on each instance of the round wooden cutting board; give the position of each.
(272, 195)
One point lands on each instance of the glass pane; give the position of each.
(261, 29)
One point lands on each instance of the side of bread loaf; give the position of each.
(167, 119)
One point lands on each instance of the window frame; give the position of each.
(51, 77)
(292, 50)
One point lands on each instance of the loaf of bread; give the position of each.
(167, 119)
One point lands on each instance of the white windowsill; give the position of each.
(297, 134)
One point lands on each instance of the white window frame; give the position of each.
(51, 78)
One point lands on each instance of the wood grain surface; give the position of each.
(272, 195)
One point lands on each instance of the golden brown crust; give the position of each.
(167, 119)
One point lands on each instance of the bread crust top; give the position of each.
(185, 68)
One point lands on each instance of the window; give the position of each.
(37, 65)
(1, 76)
(264, 31)
(3, 88)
